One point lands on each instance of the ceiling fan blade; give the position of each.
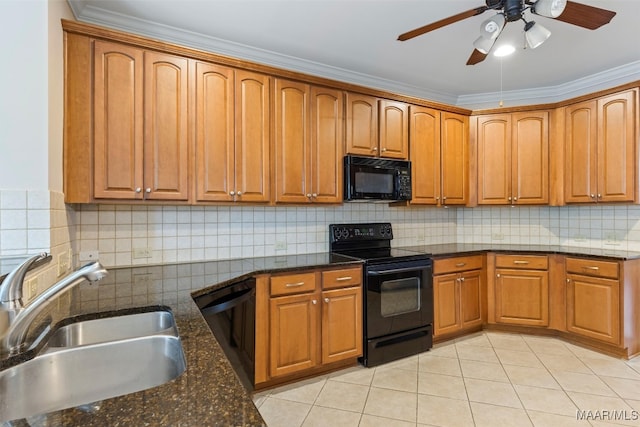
(589, 17)
(441, 23)
(476, 56)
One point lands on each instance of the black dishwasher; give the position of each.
(230, 314)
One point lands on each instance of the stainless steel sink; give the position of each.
(113, 329)
(69, 376)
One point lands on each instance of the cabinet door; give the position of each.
(394, 129)
(580, 153)
(118, 121)
(252, 137)
(530, 158)
(341, 324)
(455, 159)
(215, 155)
(446, 304)
(166, 160)
(294, 334)
(471, 299)
(424, 132)
(617, 155)
(522, 297)
(593, 307)
(362, 125)
(292, 154)
(494, 159)
(326, 145)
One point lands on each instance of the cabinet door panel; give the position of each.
(470, 299)
(326, 145)
(446, 306)
(494, 159)
(291, 145)
(530, 158)
(293, 334)
(455, 159)
(252, 136)
(617, 148)
(118, 121)
(214, 132)
(424, 130)
(580, 152)
(341, 324)
(522, 297)
(166, 133)
(394, 126)
(362, 125)
(593, 308)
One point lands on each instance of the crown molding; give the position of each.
(551, 94)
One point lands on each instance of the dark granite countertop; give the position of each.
(208, 393)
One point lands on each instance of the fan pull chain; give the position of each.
(501, 103)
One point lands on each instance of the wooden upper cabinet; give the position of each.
(118, 98)
(362, 124)
(454, 159)
(166, 162)
(232, 134)
(424, 129)
(513, 158)
(601, 149)
(394, 129)
(308, 141)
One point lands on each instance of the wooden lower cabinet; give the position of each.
(341, 324)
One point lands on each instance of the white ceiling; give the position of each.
(355, 41)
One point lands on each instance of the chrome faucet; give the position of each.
(11, 286)
(15, 318)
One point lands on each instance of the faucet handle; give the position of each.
(11, 286)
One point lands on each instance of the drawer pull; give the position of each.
(342, 279)
(521, 262)
(591, 268)
(294, 285)
(461, 264)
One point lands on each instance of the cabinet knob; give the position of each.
(599, 196)
(326, 300)
(239, 193)
(314, 195)
(509, 198)
(593, 196)
(232, 193)
(138, 190)
(308, 195)
(437, 198)
(383, 150)
(374, 149)
(515, 199)
(314, 301)
(462, 279)
(568, 280)
(498, 275)
(444, 198)
(147, 190)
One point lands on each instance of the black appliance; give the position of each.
(375, 179)
(398, 292)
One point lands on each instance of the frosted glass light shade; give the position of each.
(483, 44)
(536, 34)
(549, 8)
(492, 27)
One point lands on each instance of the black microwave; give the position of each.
(376, 179)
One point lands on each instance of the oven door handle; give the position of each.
(395, 270)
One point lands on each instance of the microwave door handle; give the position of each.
(224, 304)
(394, 271)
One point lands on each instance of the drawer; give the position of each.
(529, 262)
(592, 267)
(342, 278)
(293, 284)
(453, 265)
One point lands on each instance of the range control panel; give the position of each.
(359, 232)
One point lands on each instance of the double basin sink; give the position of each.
(92, 360)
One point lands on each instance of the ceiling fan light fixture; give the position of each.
(483, 44)
(535, 34)
(549, 8)
(492, 27)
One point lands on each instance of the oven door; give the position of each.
(399, 297)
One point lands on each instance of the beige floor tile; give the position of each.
(440, 365)
(582, 352)
(543, 419)
(305, 391)
(483, 371)
(478, 339)
(441, 385)
(610, 367)
(339, 395)
(492, 416)
(635, 404)
(518, 358)
(283, 413)
(407, 363)
(546, 400)
(443, 350)
(478, 353)
(440, 411)
(583, 383)
(508, 341)
(627, 389)
(547, 345)
(259, 399)
(535, 377)
(495, 393)
(373, 421)
(396, 379)
(329, 417)
(398, 405)
(356, 375)
(569, 363)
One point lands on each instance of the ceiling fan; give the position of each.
(571, 12)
